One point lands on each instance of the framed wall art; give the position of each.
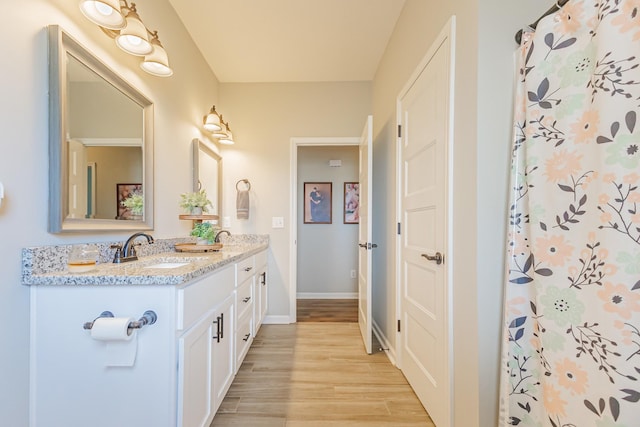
(317, 202)
(351, 203)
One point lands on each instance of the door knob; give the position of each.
(438, 258)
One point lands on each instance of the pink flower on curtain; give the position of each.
(571, 376)
(619, 299)
(629, 19)
(553, 402)
(584, 130)
(562, 165)
(553, 250)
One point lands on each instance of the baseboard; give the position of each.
(384, 342)
(276, 320)
(327, 295)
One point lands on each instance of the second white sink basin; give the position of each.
(167, 265)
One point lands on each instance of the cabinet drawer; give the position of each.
(245, 297)
(195, 299)
(261, 260)
(244, 269)
(244, 338)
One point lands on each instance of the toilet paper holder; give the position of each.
(149, 317)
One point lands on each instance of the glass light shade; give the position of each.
(211, 121)
(105, 13)
(157, 62)
(227, 139)
(133, 38)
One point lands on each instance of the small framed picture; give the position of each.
(351, 203)
(317, 202)
(123, 191)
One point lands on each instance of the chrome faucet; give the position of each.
(127, 252)
(217, 238)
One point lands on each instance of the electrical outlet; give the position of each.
(353, 274)
(226, 222)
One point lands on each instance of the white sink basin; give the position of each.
(167, 265)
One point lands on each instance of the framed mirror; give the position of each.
(207, 174)
(100, 144)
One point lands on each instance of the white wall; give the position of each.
(180, 103)
(327, 252)
(264, 117)
(484, 72)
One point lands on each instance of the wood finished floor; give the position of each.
(318, 374)
(327, 310)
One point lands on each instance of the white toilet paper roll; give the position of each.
(112, 329)
(120, 345)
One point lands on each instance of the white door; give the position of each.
(77, 179)
(364, 235)
(424, 114)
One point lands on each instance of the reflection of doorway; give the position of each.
(319, 267)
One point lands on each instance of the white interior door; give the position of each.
(424, 114)
(77, 179)
(364, 234)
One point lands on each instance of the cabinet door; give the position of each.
(223, 352)
(195, 351)
(261, 297)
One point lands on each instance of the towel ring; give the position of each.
(245, 181)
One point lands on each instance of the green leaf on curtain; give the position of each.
(636, 286)
(632, 395)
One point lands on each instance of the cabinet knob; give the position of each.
(247, 299)
(248, 269)
(246, 337)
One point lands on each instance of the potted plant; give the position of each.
(195, 203)
(135, 203)
(205, 233)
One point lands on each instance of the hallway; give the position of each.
(317, 374)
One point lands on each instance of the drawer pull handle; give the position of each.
(219, 322)
(247, 299)
(264, 278)
(248, 269)
(246, 337)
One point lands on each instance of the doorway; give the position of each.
(315, 248)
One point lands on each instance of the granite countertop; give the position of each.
(47, 265)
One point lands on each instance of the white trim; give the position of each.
(110, 142)
(327, 295)
(384, 342)
(275, 320)
(293, 191)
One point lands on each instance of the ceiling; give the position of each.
(290, 40)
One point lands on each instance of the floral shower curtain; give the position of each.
(571, 348)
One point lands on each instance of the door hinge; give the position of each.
(398, 325)
(399, 229)
(399, 131)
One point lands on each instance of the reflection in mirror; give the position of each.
(101, 143)
(207, 174)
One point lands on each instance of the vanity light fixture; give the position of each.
(228, 138)
(121, 21)
(157, 62)
(105, 13)
(211, 121)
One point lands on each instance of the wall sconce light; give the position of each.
(228, 138)
(219, 129)
(121, 21)
(211, 121)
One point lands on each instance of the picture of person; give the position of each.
(351, 202)
(317, 203)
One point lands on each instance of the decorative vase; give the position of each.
(196, 210)
(201, 241)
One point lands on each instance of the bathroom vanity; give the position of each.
(208, 308)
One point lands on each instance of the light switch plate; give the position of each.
(226, 222)
(277, 222)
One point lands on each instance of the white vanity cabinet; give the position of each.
(205, 349)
